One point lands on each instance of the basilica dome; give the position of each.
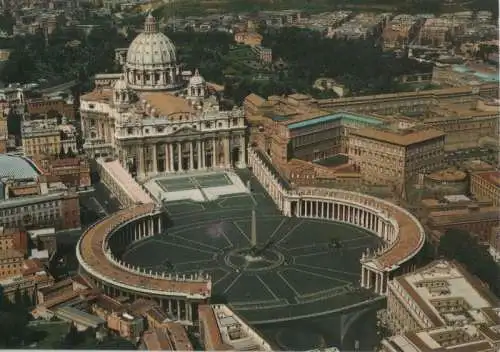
(151, 60)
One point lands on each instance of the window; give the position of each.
(130, 130)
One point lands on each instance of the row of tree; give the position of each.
(461, 246)
(67, 55)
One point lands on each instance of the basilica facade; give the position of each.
(155, 118)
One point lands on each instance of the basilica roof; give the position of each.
(151, 49)
(166, 104)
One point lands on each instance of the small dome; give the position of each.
(197, 79)
(120, 84)
(151, 47)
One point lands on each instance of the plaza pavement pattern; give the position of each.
(300, 274)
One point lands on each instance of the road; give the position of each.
(97, 204)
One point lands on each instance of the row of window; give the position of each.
(29, 208)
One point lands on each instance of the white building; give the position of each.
(154, 121)
(441, 307)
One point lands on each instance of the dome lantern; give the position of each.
(150, 24)
(196, 88)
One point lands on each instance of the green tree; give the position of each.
(461, 246)
(70, 153)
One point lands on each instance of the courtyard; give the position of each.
(299, 273)
(196, 186)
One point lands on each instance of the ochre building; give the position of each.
(395, 156)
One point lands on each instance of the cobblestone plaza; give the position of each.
(307, 267)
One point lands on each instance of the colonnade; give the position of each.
(336, 205)
(134, 231)
(352, 214)
(185, 155)
(365, 218)
(372, 278)
(183, 310)
(269, 181)
(178, 304)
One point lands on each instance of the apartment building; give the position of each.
(73, 172)
(29, 200)
(46, 137)
(11, 263)
(13, 239)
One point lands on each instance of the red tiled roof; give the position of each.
(92, 253)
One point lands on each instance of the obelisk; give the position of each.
(254, 229)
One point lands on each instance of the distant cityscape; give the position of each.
(144, 207)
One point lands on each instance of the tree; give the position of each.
(461, 246)
(18, 297)
(70, 153)
(72, 338)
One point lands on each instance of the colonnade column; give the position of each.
(227, 152)
(171, 156)
(214, 154)
(178, 310)
(242, 151)
(140, 161)
(198, 147)
(191, 156)
(379, 285)
(179, 156)
(154, 161)
(167, 158)
(203, 156)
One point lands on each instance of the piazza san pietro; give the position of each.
(156, 208)
(206, 218)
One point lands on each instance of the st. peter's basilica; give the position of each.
(155, 118)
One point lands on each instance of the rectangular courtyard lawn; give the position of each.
(213, 180)
(176, 184)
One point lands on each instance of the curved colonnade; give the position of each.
(101, 246)
(402, 234)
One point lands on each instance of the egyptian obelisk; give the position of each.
(254, 229)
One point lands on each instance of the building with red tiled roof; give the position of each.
(223, 330)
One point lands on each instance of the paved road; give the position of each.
(97, 204)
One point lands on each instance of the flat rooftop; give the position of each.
(399, 137)
(449, 281)
(334, 117)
